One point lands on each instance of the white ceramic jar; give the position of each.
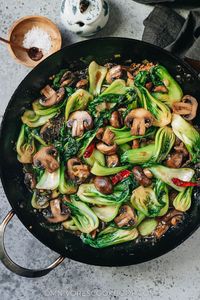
(84, 17)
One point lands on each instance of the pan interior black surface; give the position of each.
(101, 50)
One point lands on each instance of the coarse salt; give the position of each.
(37, 37)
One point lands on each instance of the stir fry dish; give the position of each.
(109, 152)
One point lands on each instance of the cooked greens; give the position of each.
(111, 236)
(83, 217)
(174, 92)
(167, 174)
(88, 193)
(97, 74)
(145, 200)
(183, 200)
(25, 145)
(105, 155)
(188, 135)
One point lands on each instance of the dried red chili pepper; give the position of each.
(182, 183)
(89, 150)
(120, 176)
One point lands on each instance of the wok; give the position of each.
(66, 244)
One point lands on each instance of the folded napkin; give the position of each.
(167, 29)
(179, 2)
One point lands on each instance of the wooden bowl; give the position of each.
(21, 27)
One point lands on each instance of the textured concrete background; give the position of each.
(173, 276)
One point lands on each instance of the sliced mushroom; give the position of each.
(30, 181)
(103, 185)
(67, 82)
(171, 214)
(82, 83)
(79, 121)
(127, 217)
(160, 89)
(77, 171)
(174, 160)
(170, 219)
(147, 173)
(105, 149)
(140, 177)
(112, 160)
(129, 75)
(67, 79)
(58, 215)
(115, 72)
(146, 66)
(187, 107)
(108, 137)
(139, 119)
(149, 86)
(52, 97)
(46, 158)
(42, 198)
(116, 120)
(160, 230)
(181, 149)
(135, 144)
(47, 91)
(99, 133)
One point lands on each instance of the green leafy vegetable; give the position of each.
(37, 137)
(183, 200)
(49, 181)
(188, 135)
(147, 227)
(167, 174)
(57, 78)
(25, 146)
(164, 142)
(77, 101)
(44, 111)
(117, 87)
(97, 74)
(66, 186)
(70, 225)
(106, 213)
(152, 153)
(123, 135)
(96, 156)
(139, 156)
(174, 94)
(99, 170)
(162, 195)
(85, 141)
(32, 120)
(111, 236)
(84, 218)
(158, 109)
(145, 200)
(88, 193)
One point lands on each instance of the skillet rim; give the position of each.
(78, 44)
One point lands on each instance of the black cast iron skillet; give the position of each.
(66, 244)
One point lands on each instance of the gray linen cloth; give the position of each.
(167, 29)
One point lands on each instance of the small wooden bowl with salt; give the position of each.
(33, 31)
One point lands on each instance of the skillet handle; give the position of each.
(9, 264)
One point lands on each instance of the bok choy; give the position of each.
(188, 135)
(84, 218)
(111, 236)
